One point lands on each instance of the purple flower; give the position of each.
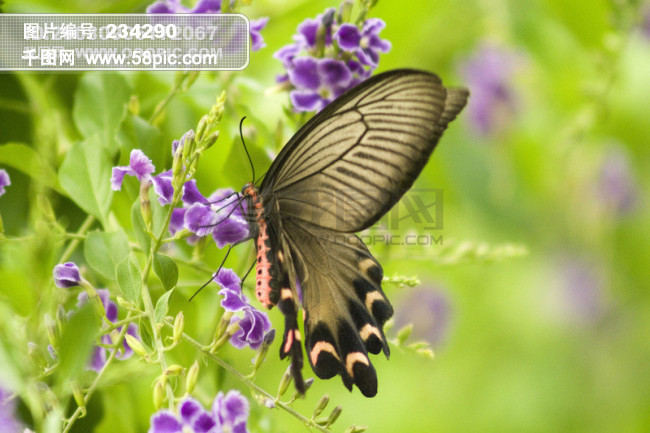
(489, 73)
(231, 411)
(66, 275)
(228, 414)
(318, 82)
(8, 420)
(252, 328)
(320, 64)
(165, 421)
(209, 7)
(233, 298)
(99, 355)
(257, 41)
(429, 311)
(139, 166)
(4, 180)
(219, 215)
(162, 185)
(617, 189)
(365, 44)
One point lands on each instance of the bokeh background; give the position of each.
(537, 303)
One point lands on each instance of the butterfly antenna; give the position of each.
(214, 275)
(241, 134)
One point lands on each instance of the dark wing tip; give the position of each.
(365, 378)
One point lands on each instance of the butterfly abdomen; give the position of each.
(267, 286)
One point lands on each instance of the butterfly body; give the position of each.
(340, 173)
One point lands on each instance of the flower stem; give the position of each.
(308, 422)
(75, 242)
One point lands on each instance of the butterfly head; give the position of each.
(249, 190)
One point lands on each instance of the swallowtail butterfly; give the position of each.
(341, 172)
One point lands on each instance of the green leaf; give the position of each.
(166, 270)
(85, 175)
(25, 159)
(144, 327)
(162, 306)
(137, 133)
(104, 251)
(139, 227)
(77, 338)
(100, 105)
(128, 277)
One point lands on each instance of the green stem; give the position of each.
(148, 303)
(308, 422)
(75, 242)
(115, 325)
(176, 88)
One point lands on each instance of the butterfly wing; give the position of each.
(345, 308)
(339, 174)
(355, 159)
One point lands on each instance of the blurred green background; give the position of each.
(555, 340)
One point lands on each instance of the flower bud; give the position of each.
(201, 128)
(212, 138)
(192, 377)
(225, 337)
(158, 394)
(179, 324)
(188, 144)
(264, 349)
(174, 370)
(285, 382)
(345, 11)
(322, 404)
(136, 345)
(223, 324)
(145, 205)
(334, 416)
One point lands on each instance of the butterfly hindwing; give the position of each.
(345, 306)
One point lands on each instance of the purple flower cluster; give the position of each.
(489, 74)
(220, 215)
(254, 324)
(208, 7)
(100, 354)
(228, 414)
(8, 421)
(4, 180)
(328, 58)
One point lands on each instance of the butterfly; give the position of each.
(338, 175)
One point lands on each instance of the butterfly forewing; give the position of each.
(355, 159)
